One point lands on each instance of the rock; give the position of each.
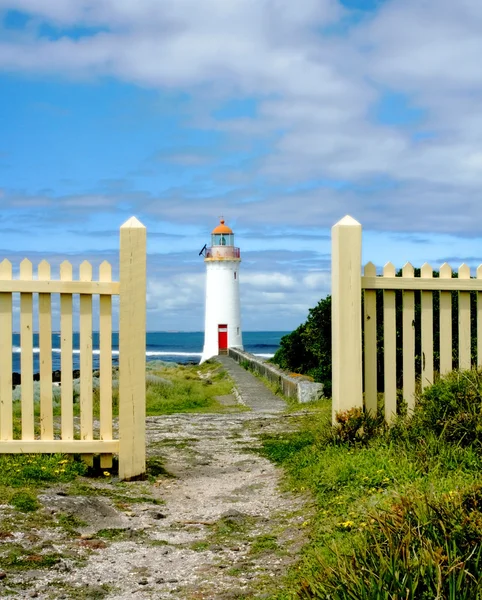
(33, 594)
(156, 380)
(2, 574)
(234, 517)
(143, 581)
(234, 593)
(160, 515)
(96, 512)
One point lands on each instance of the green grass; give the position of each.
(24, 502)
(397, 512)
(23, 475)
(264, 543)
(188, 392)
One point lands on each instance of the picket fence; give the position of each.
(354, 335)
(41, 433)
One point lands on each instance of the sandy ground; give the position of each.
(216, 525)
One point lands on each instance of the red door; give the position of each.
(222, 338)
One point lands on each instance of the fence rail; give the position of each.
(406, 309)
(40, 432)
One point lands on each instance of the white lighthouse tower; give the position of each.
(222, 325)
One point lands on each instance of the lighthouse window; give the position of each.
(234, 274)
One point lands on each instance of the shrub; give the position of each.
(419, 550)
(451, 409)
(24, 502)
(356, 426)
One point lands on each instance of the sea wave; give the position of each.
(18, 350)
(151, 353)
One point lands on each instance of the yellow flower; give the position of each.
(346, 524)
(106, 473)
(63, 462)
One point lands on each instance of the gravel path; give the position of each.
(221, 527)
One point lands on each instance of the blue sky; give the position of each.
(281, 116)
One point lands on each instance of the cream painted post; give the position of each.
(346, 315)
(6, 416)
(479, 321)
(132, 350)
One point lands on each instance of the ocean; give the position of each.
(170, 346)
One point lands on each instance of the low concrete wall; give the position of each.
(292, 387)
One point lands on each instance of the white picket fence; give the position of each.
(355, 367)
(37, 434)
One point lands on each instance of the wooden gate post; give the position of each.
(346, 315)
(132, 350)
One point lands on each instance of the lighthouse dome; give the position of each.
(222, 228)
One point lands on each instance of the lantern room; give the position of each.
(222, 244)
(222, 235)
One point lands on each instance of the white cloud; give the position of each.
(318, 89)
(269, 280)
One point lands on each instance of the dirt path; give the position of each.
(219, 528)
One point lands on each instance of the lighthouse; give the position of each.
(222, 324)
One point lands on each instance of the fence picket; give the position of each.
(26, 357)
(370, 343)
(66, 361)
(45, 345)
(389, 347)
(105, 346)
(408, 341)
(86, 400)
(464, 322)
(446, 342)
(6, 409)
(479, 321)
(427, 330)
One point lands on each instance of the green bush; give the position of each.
(451, 409)
(356, 426)
(24, 502)
(307, 349)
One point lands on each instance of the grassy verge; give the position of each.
(397, 512)
(170, 388)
